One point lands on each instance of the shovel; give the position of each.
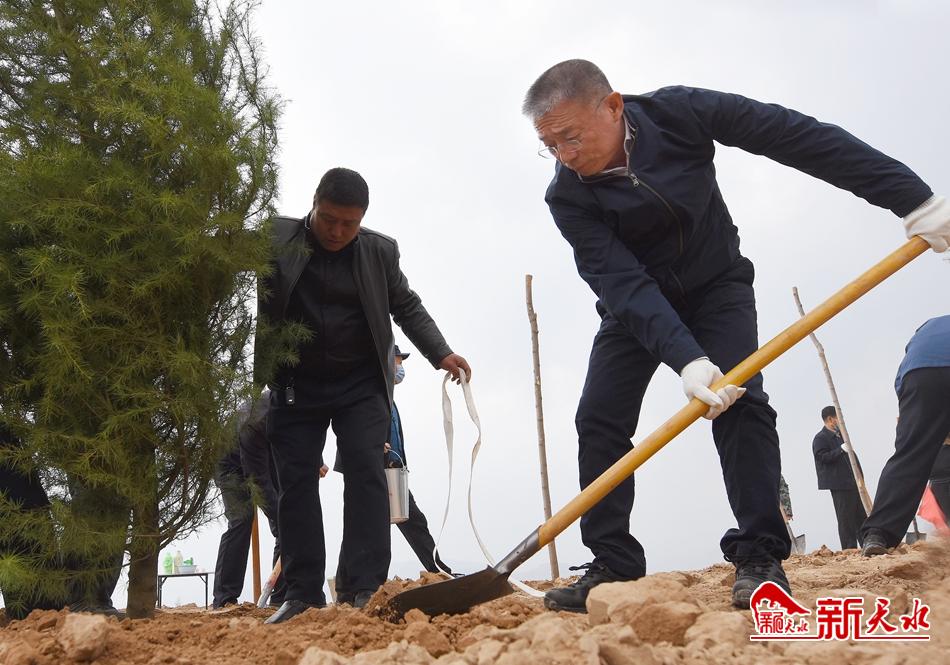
(269, 585)
(462, 593)
(915, 535)
(798, 542)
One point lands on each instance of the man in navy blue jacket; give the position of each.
(635, 194)
(833, 468)
(923, 425)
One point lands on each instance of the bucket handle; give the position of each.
(401, 460)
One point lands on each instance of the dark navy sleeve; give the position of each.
(819, 149)
(826, 448)
(623, 286)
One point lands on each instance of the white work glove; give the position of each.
(931, 221)
(698, 376)
(845, 447)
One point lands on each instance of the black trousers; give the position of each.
(850, 514)
(231, 565)
(941, 490)
(101, 511)
(27, 497)
(723, 321)
(416, 531)
(357, 407)
(923, 425)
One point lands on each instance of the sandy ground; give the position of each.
(668, 618)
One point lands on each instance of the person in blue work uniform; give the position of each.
(416, 528)
(923, 425)
(635, 194)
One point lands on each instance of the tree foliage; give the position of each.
(137, 164)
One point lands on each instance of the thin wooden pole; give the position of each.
(852, 457)
(539, 412)
(255, 557)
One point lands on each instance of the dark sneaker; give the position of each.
(874, 544)
(361, 598)
(750, 573)
(573, 598)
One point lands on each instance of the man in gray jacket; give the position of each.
(339, 283)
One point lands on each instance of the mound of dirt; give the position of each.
(668, 618)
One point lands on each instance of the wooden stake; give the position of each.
(855, 468)
(255, 557)
(539, 411)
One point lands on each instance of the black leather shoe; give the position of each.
(361, 598)
(573, 598)
(290, 609)
(105, 609)
(874, 544)
(750, 573)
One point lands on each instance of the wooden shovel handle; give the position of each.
(741, 373)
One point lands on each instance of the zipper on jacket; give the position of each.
(637, 182)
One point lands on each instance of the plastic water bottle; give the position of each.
(168, 563)
(178, 560)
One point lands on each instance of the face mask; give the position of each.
(400, 373)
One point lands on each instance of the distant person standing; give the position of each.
(249, 462)
(923, 426)
(834, 473)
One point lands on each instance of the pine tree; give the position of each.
(137, 166)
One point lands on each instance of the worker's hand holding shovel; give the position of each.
(931, 221)
(698, 376)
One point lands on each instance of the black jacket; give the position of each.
(831, 462)
(648, 242)
(251, 458)
(384, 292)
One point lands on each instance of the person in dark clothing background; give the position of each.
(416, 528)
(635, 194)
(249, 462)
(923, 425)
(940, 478)
(834, 474)
(90, 580)
(343, 283)
(23, 492)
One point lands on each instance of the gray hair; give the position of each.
(572, 79)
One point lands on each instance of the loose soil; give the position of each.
(667, 618)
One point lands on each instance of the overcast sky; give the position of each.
(423, 99)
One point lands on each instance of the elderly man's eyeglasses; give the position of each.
(555, 151)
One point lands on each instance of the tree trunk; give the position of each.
(143, 569)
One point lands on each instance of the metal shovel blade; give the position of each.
(915, 535)
(463, 593)
(453, 596)
(798, 544)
